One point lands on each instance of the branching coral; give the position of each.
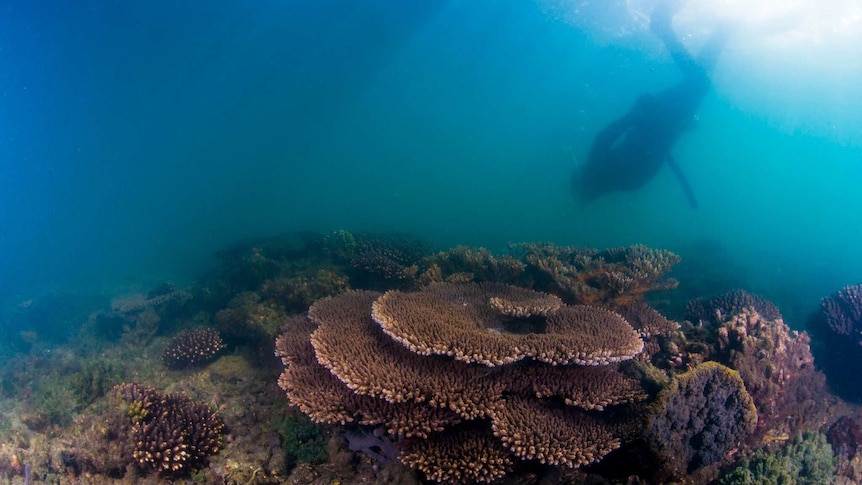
(616, 276)
(192, 347)
(354, 348)
(323, 397)
(379, 260)
(465, 264)
(714, 311)
(173, 435)
(837, 327)
(589, 388)
(842, 312)
(533, 430)
(463, 455)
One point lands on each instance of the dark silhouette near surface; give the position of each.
(629, 152)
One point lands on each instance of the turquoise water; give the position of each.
(139, 138)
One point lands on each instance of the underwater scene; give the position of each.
(438, 241)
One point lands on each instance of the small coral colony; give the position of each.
(397, 362)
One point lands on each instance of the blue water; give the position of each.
(137, 138)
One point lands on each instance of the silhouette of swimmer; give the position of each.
(629, 152)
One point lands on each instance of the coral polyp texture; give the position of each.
(462, 409)
(469, 322)
(700, 417)
(535, 430)
(458, 456)
(173, 435)
(778, 369)
(192, 347)
(715, 310)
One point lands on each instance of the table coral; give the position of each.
(463, 321)
(351, 370)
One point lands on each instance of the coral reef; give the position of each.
(613, 277)
(95, 379)
(192, 347)
(616, 276)
(842, 312)
(807, 460)
(468, 322)
(714, 311)
(466, 264)
(462, 455)
(248, 320)
(775, 363)
(50, 319)
(845, 437)
(778, 370)
(657, 332)
(173, 435)
(295, 293)
(700, 417)
(836, 328)
(354, 371)
(466, 366)
(379, 261)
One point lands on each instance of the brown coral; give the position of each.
(460, 456)
(465, 264)
(716, 310)
(354, 348)
(192, 347)
(616, 276)
(325, 399)
(590, 388)
(646, 320)
(535, 431)
(521, 303)
(593, 336)
(173, 435)
(459, 320)
(350, 371)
